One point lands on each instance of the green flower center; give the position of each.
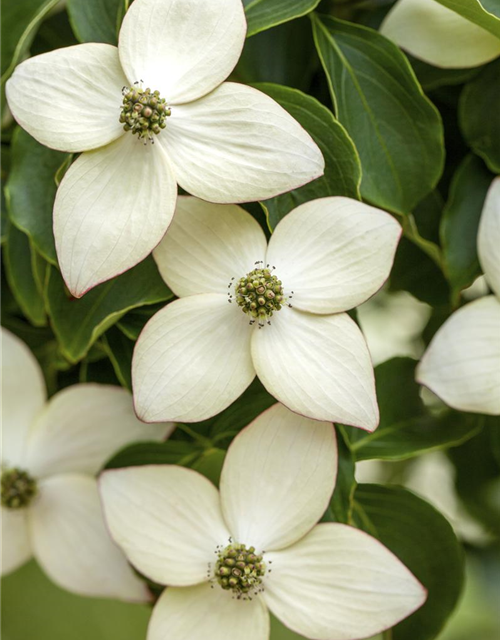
(18, 489)
(240, 570)
(144, 113)
(259, 294)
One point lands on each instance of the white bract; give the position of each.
(51, 452)
(228, 558)
(462, 363)
(439, 36)
(223, 142)
(237, 318)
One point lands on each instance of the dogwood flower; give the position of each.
(437, 35)
(462, 363)
(276, 311)
(223, 142)
(51, 452)
(228, 558)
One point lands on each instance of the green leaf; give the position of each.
(78, 323)
(210, 464)
(342, 166)
(431, 77)
(18, 260)
(264, 14)
(397, 131)
(95, 20)
(424, 541)
(479, 115)
(20, 21)
(133, 322)
(341, 504)
(460, 223)
(142, 453)
(406, 428)
(31, 189)
(120, 350)
(484, 13)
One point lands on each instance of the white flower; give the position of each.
(462, 362)
(327, 581)
(50, 455)
(223, 142)
(199, 353)
(437, 35)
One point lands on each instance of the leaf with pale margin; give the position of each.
(264, 14)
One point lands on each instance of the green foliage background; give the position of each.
(420, 142)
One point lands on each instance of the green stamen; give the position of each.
(143, 113)
(259, 294)
(240, 570)
(18, 488)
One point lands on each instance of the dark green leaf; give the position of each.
(133, 322)
(17, 260)
(264, 14)
(479, 115)
(342, 166)
(434, 77)
(397, 131)
(484, 13)
(142, 453)
(95, 20)
(406, 428)
(31, 190)
(460, 223)
(341, 504)
(78, 323)
(424, 541)
(210, 464)
(120, 349)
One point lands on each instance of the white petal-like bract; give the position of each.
(69, 99)
(23, 397)
(72, 544)
(16, 545)
(207, 614)
(462, 362)
(278, 478)
(207, 245)
(439, 36)
(192, 360)
(318, 366)
(182, 48)
(82, 426)
(167, 520)
(112, 208)
(488, 240)
(333, 253)
(238, 145)
(339, 583)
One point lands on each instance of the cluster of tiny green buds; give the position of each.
(143, 112)
(18, 489)
(240, 570)
(259, 294)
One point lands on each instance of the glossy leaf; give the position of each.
(78, 323)
(396, 129)
(480, 117)
(460, 222)
(120, 350)
(18, 269)
(484, 13)
(341, 504)
(96, 20)
(141, 453)
(425, 542)
(264, 14)
(406, 427)
(342, 166)
(31, 189)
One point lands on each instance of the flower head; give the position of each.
(51, 453)
(149, 114)
(462, 363)
(228, 558)
(438, 35)
(276, 311)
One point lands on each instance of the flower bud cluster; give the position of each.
(239, 569)
(260, 294)
(18, 489)
(143, 112)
